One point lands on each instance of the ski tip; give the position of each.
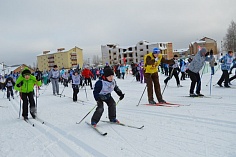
(104, 134)
(141, 127)
(33, 125)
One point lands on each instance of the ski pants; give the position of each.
(151, 79)
(75, 92)
(99, 110)
(55, 86)
(9, 92)
(195, 78)
(28, 98)
(224, 77)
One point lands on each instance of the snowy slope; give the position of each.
(206, 128)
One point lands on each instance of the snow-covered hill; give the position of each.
(206, 128)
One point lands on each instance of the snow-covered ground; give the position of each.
(206, 128)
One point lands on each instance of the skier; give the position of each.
(54, 76)
(65, 77)
(212, 62)
(102, 93)
(225, 67)
(151, 63)
(87, 74)
(75, 84)
(194, 67)
(9, 84)
(174, 70)
(38, 75)
(141, 70)
(25, 85)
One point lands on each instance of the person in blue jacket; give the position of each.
(225, 67)
(102, 93)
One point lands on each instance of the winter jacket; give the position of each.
(54, 74)
(9, 82)
(26, 86)
(86, 73)
(103, 88)
(198, 62)
(226, 61)
(151, 65)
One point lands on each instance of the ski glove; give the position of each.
(20, 84)
(215, 64)
(122, 96)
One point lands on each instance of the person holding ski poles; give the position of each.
(174, 70)
(9, 84)
(75, 84)
(151, 62)
(102, 93)
(195, 66)
(25, 85)
(225, 67)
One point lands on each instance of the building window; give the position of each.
(130, 49)
(140, 43)
(141, 50)
(146, 46)
(124, 50)
(136, 54)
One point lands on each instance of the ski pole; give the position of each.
(36, 95)
(62, 91)
(85, 91)
(86, 115)
(20, 102)
(141, 95)
(210, 84)
(171, 74)
(199, 82)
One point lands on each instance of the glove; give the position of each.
(20, 84)
(207, 54)
(215, 64)
(122, 96)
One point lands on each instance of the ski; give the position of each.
(167, 104)
(96, 129)
(122, 124)
(29, 122)
(40, 120)
(216, 97)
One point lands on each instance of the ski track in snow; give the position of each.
(206, 128)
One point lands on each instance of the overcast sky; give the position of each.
(28, 27)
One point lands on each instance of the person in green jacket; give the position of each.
(25, 85)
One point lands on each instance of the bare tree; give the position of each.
(96, 60)
(230, 37)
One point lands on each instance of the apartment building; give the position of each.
(62, 58)
(209, 43)
(114, 53)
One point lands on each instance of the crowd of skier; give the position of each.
(146, 71)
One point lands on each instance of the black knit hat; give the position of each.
(108, 72)
(26, 72)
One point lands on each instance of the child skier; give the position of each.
(75, 84)
(102, 93)
(9, 84)
(25, 85)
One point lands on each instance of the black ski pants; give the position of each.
(9, 92)
(28, 98)
(75, 92)
(195, 79)
(99, 110)
(224, 77)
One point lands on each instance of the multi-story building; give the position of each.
(114, 54)
(209, 43)
(61, 58)
(182, 53)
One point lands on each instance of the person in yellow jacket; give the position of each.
(25, 85)
(151, 62)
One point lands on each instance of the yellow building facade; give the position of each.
(62, 58)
